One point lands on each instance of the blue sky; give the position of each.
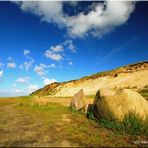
(43, 42)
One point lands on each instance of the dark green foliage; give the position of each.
(134, 125)
(90, 115)
(112, 124)
(131, 124)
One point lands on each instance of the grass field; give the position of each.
(25, 124)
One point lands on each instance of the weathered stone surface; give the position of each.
(78, 101)
(115, 104)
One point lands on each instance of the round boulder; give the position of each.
(116, 104)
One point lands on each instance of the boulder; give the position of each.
(116, 104)
(78, 102)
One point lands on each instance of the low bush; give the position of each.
(131, 124)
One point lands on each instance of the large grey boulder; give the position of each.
(78, 102)
(116, 104)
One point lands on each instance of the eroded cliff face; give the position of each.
(130, 76)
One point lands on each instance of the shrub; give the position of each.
(112, 125)
(90, 115)
(131, 124)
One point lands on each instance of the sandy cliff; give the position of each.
(130, 76)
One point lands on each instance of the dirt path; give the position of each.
(18, 128)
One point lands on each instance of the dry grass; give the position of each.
(28, 125)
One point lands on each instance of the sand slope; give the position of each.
(130, 76)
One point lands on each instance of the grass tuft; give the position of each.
(131, 124)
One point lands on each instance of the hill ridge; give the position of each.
(57, 88)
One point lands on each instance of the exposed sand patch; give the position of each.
(91, 86)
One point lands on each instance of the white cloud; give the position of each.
(70, 63)
(1, 73)
(54, 56)
(100, 20)
(19, 91)
(48, 66)
(11, 65)
(53, 52)
(23, 80)
(33, 88)
(52, 66)
(26, 52)
(72, 48)
(28, 63)
(57, 48)
(49, 81)
(70, 45)
(41, 68)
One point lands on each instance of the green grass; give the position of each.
(132, 124)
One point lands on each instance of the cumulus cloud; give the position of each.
(70, 45)
(1, 73)
(70, 63)
(26, 52)
(22, 80)
(57, 48)
(102, 18)
(54, 52)
(51, 65)
(54, 56)
(48, 66)
(27, 64)
(11, 65)
(29, 61)
(49, 81)
(41, 69)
